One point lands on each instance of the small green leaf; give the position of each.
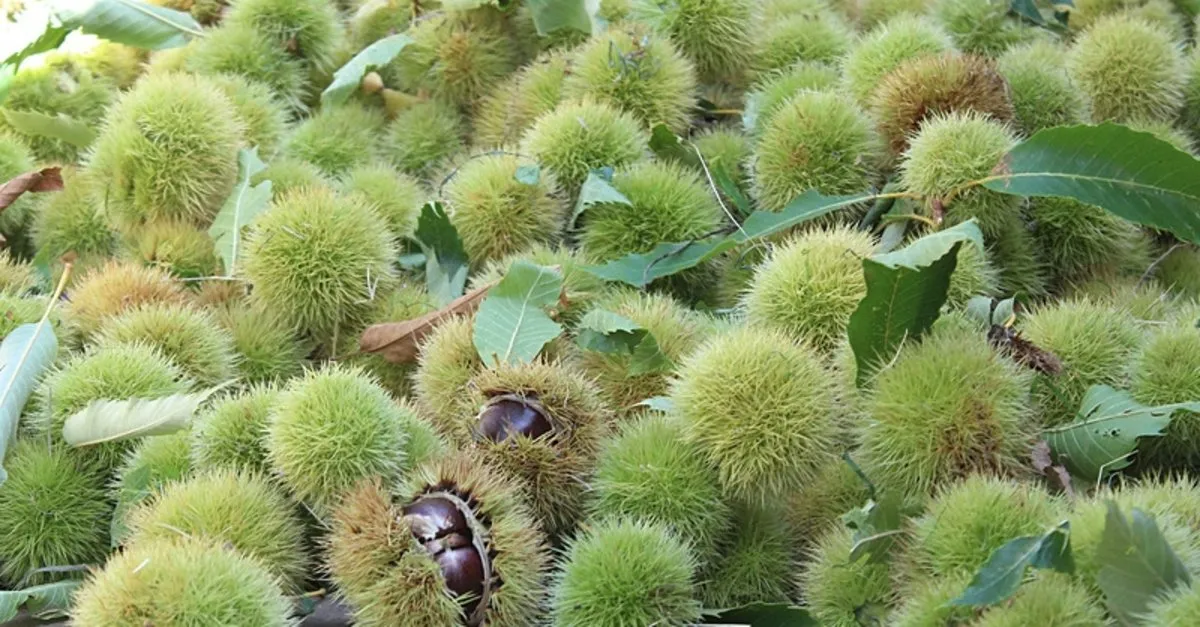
(729, 188)
(1000, 576)
(135, 487)
(445, 258)
(876, 526)
(597, 189)
(511, 325)
(60, 126)
(348, 77)
(243, 205)
(26, 353)
(1105, 433)
(1132, 174)
(550, 16)
(132, 23)
(648, 358)
(112, 421)
(1136, 565)
(52, 600)
(528, 174)
(666, 144)
(807, 206)
(905, 293)
(762, 615)
(603, 331)
(662, 404)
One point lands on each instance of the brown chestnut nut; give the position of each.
(508, 415)
(433, 517)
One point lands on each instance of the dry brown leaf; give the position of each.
(399, 342)
(44, 180)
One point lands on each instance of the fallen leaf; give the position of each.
(399, 342)
(44, 180)
(1044, 465)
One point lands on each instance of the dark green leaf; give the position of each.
(1136, 565)
(1105, 433)
(550, 16)
(26, 353)
(528, 174)
(1028, 10)
(666, 144)
(60, 126)
(905, 293)
(648, 358)
(132, 23)
(348, 77)
(606, 332)
(445, 257)
(1000, 576)
(640, 269)
(511, 325)
(762, 615)
(1133, 174)
(48, 600)
(135, 487)
(597, 189)
(243, 205)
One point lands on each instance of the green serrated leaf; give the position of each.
(905, 293)
(26, 353)
(133, 23)
(597, 189)
(59, 126)
(730, 189)
(1105, 433)
(1132, 174)
(112, 421)
(551, 16)
(1000, 576)
(1136, 564)
(762, 615)
(648, 358)
(445, 258)
(668, 258)
(46, 601)
(243, 205)
(348, 77)
(52, 37)
(511, 325)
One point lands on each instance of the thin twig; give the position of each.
(1154, 266)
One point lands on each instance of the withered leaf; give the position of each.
(1044, 465)
(44, 180)
(1023, 351)
(399, 342)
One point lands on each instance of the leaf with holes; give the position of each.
(133, 23)
(511, 325)
(59, 126)
(905, 293)
(445, 258)
(1000, 576)
(1133, 174)
(243, 205)
(348, 77)
(1136, 564)
(1105, 433)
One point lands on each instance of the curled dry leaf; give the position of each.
(1044, 465)
(44, 180)
(399, 342)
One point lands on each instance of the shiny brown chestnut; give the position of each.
(511, 415)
